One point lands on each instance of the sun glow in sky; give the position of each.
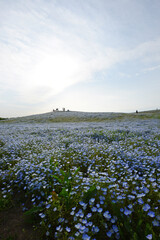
(93, 55)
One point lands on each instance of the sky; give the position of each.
(92, 55)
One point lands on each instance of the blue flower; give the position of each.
(91, 201)
(155, 223)
(94, 209)
(146, 207)
(113, 220)
(140, 201)
(86, 237)
(158, 217)
(115, 228)
(151, 214)
(48, 206)
(99, 210)
(72, 213)
(109, 233)
(42, 215)
(98, 205)
(127, 212)
(77, 234)
(68, 229)
(90, 224)
(59, 228)
(60, 220)
(89, 215)
(149, 236)
(95, 229)
(84, 221)
(130, 206)
(78, 226)
(47, 233)
(107, 215)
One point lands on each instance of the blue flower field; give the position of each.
(84, 181)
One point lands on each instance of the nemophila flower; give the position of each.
(48, 206)
(84, 221)
(89, 215)
(115, 228)
(102, 198)
(107, 215)
(42, 215)
(149, 236)
(85, 237)
(81, 203)
(105, 225)
(151, 214)
(78, 225)
(109, 233)
(91, 201)
(83, 229)
(146, 207)
(140, 201)
(59, 228)
(94, 209)
(119, 197)
(158, 217)
(98, 205)
(130, 206)
(60, 220)
(68, 229)
(89, 224)
(140, 195)
(95, 229)
(98, 187)
(113, 220)
(131, 197)
(121, 209)
(47, 233)
(146, 190)
(127, 212)
(100, 210)
(156, 223)
(77, 234)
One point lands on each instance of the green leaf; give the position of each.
(77, 170)
(33, 210)
(59, 180)
(63, 193)
(62, 172)
(90, 193)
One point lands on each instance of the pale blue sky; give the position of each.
(92, 55)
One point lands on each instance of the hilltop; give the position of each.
(77, 116)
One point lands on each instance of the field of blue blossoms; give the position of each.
(95, 181)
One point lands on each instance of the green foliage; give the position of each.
(33, 211)
(66, 180)
(90, 194)
(6, 202)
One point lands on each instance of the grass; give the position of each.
(83, 183)
(2, 118)
(60, 117)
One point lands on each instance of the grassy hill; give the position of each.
(75, 116)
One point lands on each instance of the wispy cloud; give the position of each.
(47, 46)
(151, 68)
